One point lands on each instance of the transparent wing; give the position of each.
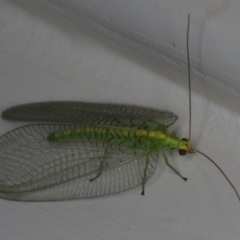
(33, 169)
(90, 114)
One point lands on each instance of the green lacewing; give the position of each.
(82, 150)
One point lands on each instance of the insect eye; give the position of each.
(182, 152)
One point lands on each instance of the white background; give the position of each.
(134, 53)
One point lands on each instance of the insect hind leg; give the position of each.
(144, 178)
(102, 162)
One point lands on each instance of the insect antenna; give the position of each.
(189, 83)
(231, 184)
(190, 117)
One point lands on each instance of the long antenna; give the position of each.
(189, 83)
(190, 115)
(231, 184)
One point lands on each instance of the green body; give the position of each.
(149, 140)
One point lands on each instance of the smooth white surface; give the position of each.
(157, 29)
(44, 57)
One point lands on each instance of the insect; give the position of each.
(85, 149)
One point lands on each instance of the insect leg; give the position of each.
(104, 157)
(169, 165)
(144, 175)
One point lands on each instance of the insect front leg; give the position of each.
(169, 165)
(145, 175)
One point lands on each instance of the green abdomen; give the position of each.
(98, 134)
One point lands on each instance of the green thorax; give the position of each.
(149, 139)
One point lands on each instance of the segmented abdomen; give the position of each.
(98, 134)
